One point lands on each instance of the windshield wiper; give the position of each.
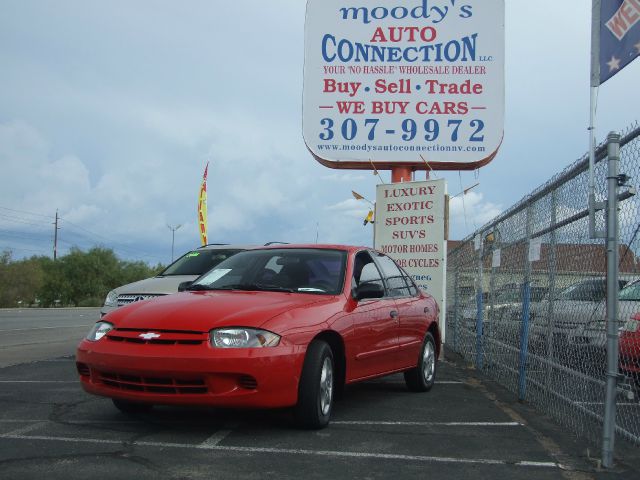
(198, 287)
(255, 287)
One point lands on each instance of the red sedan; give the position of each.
(278, 326)
(630, 347)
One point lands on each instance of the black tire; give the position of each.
(423, 376)
(131, 407)
(316, 388)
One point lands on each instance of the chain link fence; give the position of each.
(527, 298)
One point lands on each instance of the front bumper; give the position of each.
(191, 374)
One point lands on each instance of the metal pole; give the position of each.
(595, 83)
(401, 174)
(608, 434)
(55, 237)
(526, 302)
(479, 310)
(455, 310)
(173, 237)
(552, 288)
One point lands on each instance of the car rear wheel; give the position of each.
(422, 378)
(315, 391)
(131, 407)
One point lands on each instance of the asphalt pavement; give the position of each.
(466, 427)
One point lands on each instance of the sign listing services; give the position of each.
(388, 81)
(409, 227)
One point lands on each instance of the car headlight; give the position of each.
(112, 299)
(242, 338)
(98, 331)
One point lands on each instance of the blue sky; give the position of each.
(110, 110)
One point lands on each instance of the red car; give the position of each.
(630, 347)
(282, 326)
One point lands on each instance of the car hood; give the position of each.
(157, 285)
(202, 311)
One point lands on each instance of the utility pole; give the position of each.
(173, 237)
(55, 237)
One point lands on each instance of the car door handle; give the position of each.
(393, 314)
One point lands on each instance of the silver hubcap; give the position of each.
(326, 386)
(428, 362)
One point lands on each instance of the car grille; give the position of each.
(166, 385)
(156, 337)
(126, 299)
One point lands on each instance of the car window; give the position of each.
(413, 289)
(587, 291)
(305, 270)
(396, 281)
(198, 261)
(365, 271)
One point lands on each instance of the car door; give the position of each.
(374, 344)
(411, 315)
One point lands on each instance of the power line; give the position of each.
(24, 211)
(19, 220)
(121, 247)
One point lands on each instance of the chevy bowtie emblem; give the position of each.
(149, 335)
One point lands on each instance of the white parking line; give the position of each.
(215, 439)
(438, 382)
(321, 453)
(427, 424)
(40, 381)
(44, 328)
(27, 429)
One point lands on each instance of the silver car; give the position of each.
(592, 334)
(573, 308)
(185, 269)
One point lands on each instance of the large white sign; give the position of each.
(391, 81)
(409, 227)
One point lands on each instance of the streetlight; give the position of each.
(173, 237)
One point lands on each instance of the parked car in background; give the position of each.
(502, 313)
(269, 327)
(593, 334)
(186, 268)
(629, 343)
(573, 308)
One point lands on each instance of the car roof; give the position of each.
(315, 246)
(227, 246)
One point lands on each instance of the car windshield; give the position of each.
(301, 270)
(198, 261)
(587, 291)
(630, 292)
(584, 291)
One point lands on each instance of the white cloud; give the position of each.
(469, 212)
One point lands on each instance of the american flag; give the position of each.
(619, 35)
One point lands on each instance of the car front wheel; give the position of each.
(423, 376)
(315, 391)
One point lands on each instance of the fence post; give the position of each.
(526, 301)
(609, 429)
(455, 309)
(479, 310)
(552, 288)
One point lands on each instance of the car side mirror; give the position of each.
(184, 286)
(369, 290)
